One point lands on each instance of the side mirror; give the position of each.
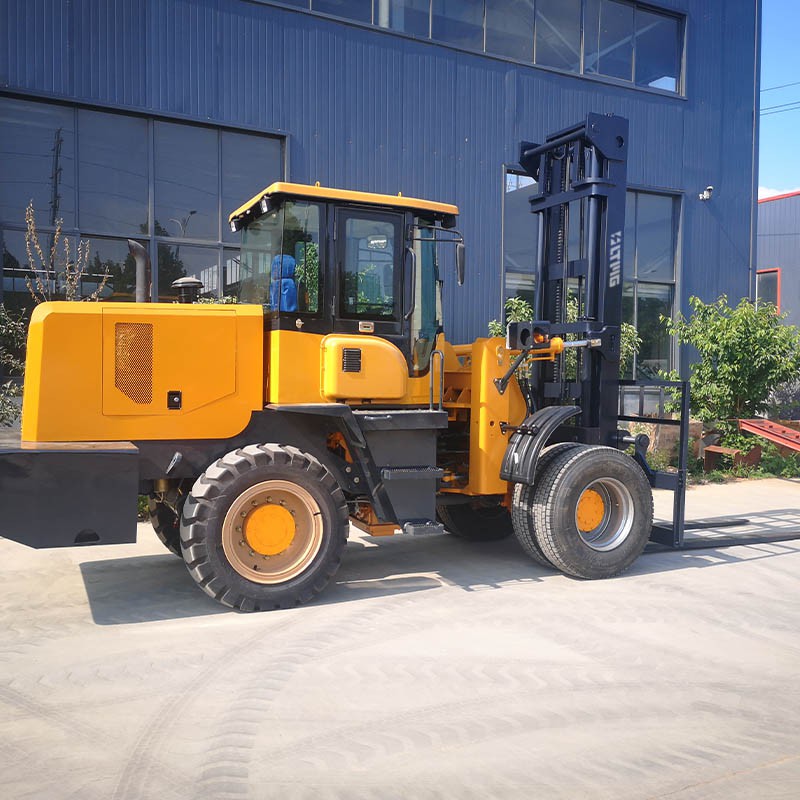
(461, 252)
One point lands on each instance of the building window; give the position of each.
(657, 50)
(37, 161)
(520, 235)
(768, 287)
(406, 16)
(112, 177)
(113, 169)
(358, 10)
(186, 182)
(458, 22)
(509, 28)
(614, 38)
(608, 39)
(649, 267)
(557, 36)
(649, 270)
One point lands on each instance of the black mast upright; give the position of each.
(581, 175)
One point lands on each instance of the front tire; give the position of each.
(264, 527)
(592, 512)
(522, 504)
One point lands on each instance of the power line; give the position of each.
(795, 107)
(781, 105)
(782, 86)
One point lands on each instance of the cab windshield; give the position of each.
(279, 263)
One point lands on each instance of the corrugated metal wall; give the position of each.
(779, 246)
(370, 110)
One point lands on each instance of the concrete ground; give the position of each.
(432, 668)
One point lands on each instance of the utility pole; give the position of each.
(55, 199)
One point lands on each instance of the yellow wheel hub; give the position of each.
(269, 529)
(272, 532)
(591, 511)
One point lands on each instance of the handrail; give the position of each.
(440, 353)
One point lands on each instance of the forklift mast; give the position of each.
(580, 175)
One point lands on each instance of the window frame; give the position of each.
(633, 277)
(150, 239)
(322, 256)
(507, 171)
(387, 324)
(767, 271)
(678, 15)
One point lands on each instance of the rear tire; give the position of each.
(476, 521)
(166, 523)
(264, 527)
(592, 512)
(522, 504)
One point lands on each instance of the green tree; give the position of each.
(517, 310)
(745, 352)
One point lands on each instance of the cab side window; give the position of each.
(370, 272)
(295, 285)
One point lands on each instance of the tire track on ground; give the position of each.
(148, 744)
(230, 755)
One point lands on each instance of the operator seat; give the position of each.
(283, 289)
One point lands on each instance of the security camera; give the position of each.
(706, 194)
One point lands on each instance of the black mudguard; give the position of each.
(527, 442)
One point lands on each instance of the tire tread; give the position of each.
(213, 483)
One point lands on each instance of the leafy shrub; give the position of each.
(12, 342)
(225, 300)
(746, 352)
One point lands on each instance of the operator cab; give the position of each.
(323, 260)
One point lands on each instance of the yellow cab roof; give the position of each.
(326, 193)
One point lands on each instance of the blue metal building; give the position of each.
(152, 119)
(778, 276)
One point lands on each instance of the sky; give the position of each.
(779, 157)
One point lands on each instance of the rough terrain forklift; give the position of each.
(329, 395)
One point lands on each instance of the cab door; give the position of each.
(369, 249)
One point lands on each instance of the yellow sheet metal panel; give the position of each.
(346, 196)
(102, 371)
(362, 368)
(294, 367)
(140, 364)
(490, 360)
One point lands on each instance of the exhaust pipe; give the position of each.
(142, 260)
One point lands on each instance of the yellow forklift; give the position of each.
(330, 396)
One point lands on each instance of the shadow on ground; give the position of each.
(158, 587)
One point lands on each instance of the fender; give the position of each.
(528, 440)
